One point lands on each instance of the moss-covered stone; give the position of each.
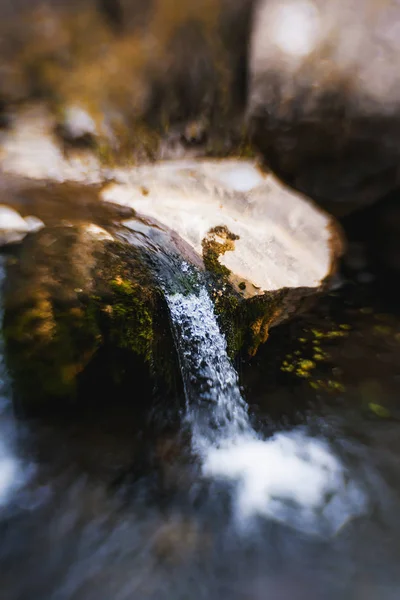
(245, 322)
(218, 241)
(69, 299)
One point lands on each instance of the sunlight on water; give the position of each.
(291, 477)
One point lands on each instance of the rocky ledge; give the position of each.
(85, 281)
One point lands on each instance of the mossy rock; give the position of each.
(74, 299)
(268, 250)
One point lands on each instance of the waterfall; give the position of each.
(216, 411)
(291, 477)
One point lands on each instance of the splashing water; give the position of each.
(291, 477)
(216, 410)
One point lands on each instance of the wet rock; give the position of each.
(264, 244)
(324, 97)
(56, 204)
(81, 312)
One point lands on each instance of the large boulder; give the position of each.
(82, 317)
(324, 96)
(269, 248)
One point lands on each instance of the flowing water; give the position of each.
(281, 488)
(292, 477)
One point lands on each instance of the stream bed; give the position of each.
(286, 488)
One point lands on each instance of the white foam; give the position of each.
(290, 478)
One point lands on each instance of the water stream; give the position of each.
(291, 477)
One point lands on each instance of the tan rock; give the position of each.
(273, 245)
(276, 238)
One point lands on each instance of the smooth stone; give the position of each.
(283, 240)
(13, 227)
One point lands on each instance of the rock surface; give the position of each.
(272, 245)
(30, 149)
(324, 96)
(317, 79)
(81, 313)
(264, 234)
(262, 242)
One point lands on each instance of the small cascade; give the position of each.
(216, 410)
(290, 477)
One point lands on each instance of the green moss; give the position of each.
(131, 319)
(227, 307)
(245, 323)
(306, 365)
(258, 313)
(218, 241)
(59, 314)
(334, 333)
(48, 346)
(379, 410)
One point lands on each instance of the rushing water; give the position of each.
(216, 410)
(291, 477)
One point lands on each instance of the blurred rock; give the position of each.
(324, 96)
(13, 227)
(81, 313)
